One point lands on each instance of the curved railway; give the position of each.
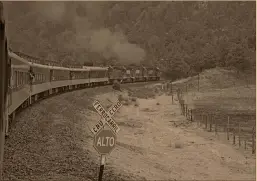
(25, 80)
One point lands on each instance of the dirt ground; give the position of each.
(52, 141)
(156, 142)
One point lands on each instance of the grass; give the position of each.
(222, 93)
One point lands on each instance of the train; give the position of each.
(30, 80)
(4, 63)
(26, 79)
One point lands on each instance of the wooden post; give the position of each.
(216, 127)
(234, 136)
(211, 123)
(206, 121)
(101, 171)
(186, 110)
(198, 80)
(171, 93)
(253, 140)
(245, 144)
(191, 114)
(228, 128)
(178, 94)
(239, 136)
(202, 119)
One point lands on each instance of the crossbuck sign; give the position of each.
(107, 117)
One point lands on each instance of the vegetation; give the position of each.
(182, 38)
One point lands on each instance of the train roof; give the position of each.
(96, 68)
(33, 64)
(13, 55)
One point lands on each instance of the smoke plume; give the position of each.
(79, 27)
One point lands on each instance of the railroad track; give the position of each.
(22, 108)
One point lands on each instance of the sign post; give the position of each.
(105, 140)
(101, 171)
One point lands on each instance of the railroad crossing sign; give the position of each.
(104, 141)
(107, 117)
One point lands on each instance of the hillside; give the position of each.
(183, 38)
(220, 89)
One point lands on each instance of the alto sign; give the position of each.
(104, 141)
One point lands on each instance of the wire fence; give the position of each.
(238, 128)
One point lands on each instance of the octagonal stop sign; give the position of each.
(105, 141)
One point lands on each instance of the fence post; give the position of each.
(178, 94)
(183, 108)
(202, 120)
(191, 114)
(228, 128)
(211, 123)
(245, 144)
(171, 93)
(186, 110)
(253, 140)
(206, 121)
(234, 136)
(239, 136)
(198, 81)
(216, 126)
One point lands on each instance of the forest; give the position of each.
(182, 38)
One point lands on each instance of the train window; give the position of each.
(27, 78)
(15, 78)
(96, 74)
(22, 77)
(19, 78)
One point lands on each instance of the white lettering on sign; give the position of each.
(102, 122)
(108, 115)
(105, 141)
(98, 126)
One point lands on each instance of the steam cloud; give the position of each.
(53, 11)
(102, 41)
(115, 45)
(85, 34)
